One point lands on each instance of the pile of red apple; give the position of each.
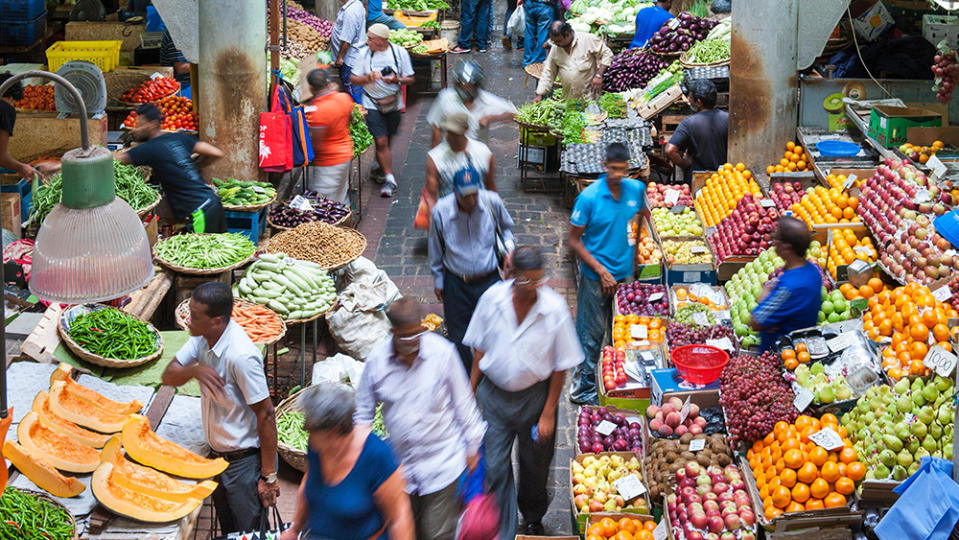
(613, 374)
(667, 421)
(711, 503)
(656, 195)
(747, 230)
(786, 194)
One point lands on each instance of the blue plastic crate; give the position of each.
(24, 189)
(21, 10)
(252, 224)
(24, 32)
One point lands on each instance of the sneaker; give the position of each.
(482, 49)
(387, 190)
(507, 44)
(459, 50)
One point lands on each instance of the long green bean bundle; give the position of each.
(131, 187)
(24, 516)
(112, 334)
(289, 428)
(205, 250)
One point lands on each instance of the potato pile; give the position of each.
(666, 456)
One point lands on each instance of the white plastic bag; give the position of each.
(358, 322)
(516, 26)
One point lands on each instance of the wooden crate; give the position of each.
(668, 125)
(127, 34)
(44, 339)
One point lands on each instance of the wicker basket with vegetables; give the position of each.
(108, 337)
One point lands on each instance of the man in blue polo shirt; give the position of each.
(649, 21)
(598, 235)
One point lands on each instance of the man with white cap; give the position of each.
(382, 69)
(456, 152)
(462, 248)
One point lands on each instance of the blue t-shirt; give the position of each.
(606, 224)
(648, 22)
(374, 8)
(348, 511)
(792, 304)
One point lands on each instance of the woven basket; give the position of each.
(268, 247)
(283, 228)
(296, 458)
(47, 498)
(148, 208)
(250, 207)
(182, 315)
(532, 127)
(685, 62)
(201, 271)
(63, 327)
(534, 70)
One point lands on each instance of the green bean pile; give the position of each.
(289, 428)
(26, 517)
(204, 251)
(112, 334)
(131, 187)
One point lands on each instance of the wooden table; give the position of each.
(441, 57)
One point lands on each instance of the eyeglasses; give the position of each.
(539, 282)
(413, 337)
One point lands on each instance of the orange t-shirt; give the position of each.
(329, 119)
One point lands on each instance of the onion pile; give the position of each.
(689, 30)
(680, 334)
(632, 68)
(322, 26)
(754, 396)
(626, 437)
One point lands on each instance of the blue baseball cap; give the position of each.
(466, 181)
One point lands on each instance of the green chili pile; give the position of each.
(26, 517)
(131, 187)
(289, 428)
(112, 334)
(205, 250)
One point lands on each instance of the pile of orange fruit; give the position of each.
(793, 357)
(837, 180)
(684, 296)
(847, 247)
(823, 205)
(625, 529)
(794, 159)
(914, 320)
(622, 329)
(794, 474)
(873, 287)
(921, 153)
(723, 190)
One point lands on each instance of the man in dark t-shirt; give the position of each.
(699, 143)
(190, 199)
(8, 117)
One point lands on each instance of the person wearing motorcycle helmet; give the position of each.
(467, 94)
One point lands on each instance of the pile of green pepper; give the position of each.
(131, 187)
(112, 334)
(289, 428)
(233, 192)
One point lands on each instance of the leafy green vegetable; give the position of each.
(430, 24)
(420, 49)
(614, 105)
(573, 126)
(362, 139)
(405, 37)
(417, 5)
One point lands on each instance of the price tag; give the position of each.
(648, 356)
(684, 412)
(942, 293)
(639, 331)
(641, 343)
(692, 277)
(696, 445)
(803, 399)
(826, 438)
(156, 76)
(910, 418)
(678, 209)
(721, 343)
(923, 196)
(671, 197)
(850, 181)
(656, 296)
(629, 487)
(673, 23)
(605, 428)
(661, 532)
(842, 341)
(697, 249)
(700, 318)
(301, 203)
(258, 189)
(938, 167)
(633, 420)
(861, 250)
(940, 360)
(767, 203)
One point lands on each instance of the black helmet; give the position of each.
(469, 72)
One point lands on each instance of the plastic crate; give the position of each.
(24, 189)
(251, 224)
(21, 10)
(26, 32)
(105, 54)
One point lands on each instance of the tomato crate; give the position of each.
(251, 224)
(22, 32)
(21, 10)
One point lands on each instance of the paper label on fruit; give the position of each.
(605, 428)
(803, 399)
(721, 343)
(910, 418)
(697, 250)
(842, 341)
(656, 296)
(684, 412)
(942, 293)
(767, 203)
(639, 331)
(671, 197)
(678, 209)
(661, 532)
(696, 445)
(258, 189)
(923, 196)
(826, 438)
(674, 23)
(938, 167)
(629, 487)
(301, 203)
(850, 181)
(156, 76)
(940, 360)
(700, 319)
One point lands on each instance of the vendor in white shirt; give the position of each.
(523, 340)
(429, 412)
(467, 95)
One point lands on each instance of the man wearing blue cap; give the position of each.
(464, 230)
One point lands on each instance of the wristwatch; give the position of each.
(269, 479)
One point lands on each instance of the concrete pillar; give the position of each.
(233, 79)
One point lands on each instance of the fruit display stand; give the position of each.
(630, 416)
(581, 520)
(677, 273)
(635, 396)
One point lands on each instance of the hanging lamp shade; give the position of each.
(92, 246)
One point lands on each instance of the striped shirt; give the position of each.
(170, 55)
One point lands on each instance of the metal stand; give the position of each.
(355, 187)
(535, 175)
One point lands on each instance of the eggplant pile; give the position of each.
(679, 36)
(632, 68)
(323, 209)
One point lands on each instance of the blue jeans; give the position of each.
(356, 92)
(538, 18)
(475, 23)
(387, 20)
(592, 318)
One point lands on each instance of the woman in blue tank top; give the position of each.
(353, 488)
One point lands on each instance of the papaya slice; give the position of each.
(146, 447)
(130, 503)
(83, 412)
(49, 420)
(56, 449)
(40, 472)
(151, 482)
(62, 373)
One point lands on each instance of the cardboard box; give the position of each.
(10, 212)
(888, 125)
(936, 28)
(584, 519)
(667, 383)
(43, 134)
(870, 18)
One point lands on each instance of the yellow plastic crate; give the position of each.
(105, 54)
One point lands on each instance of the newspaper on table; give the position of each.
(181, 424)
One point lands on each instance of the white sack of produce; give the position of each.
(363, 270)
(338, 368)
(358, 321)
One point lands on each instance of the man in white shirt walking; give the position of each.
(429, 412)
(346, 40)
(524, 340)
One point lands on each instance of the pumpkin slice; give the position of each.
(62, 373)
(146, 480)
(42, 473)
(83, 412)
(128, 502)
(58, 450)
(49, 420)
(146, 447)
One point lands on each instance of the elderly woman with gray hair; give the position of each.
(353, 488)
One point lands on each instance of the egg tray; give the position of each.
(588, 158)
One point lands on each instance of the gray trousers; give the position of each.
(236, 499)
(510, 416)
(435, 514)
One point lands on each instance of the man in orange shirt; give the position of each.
(328, 115)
